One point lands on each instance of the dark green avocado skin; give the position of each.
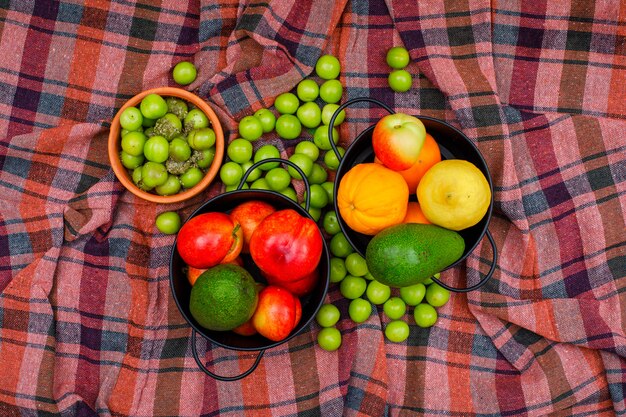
(407, 254)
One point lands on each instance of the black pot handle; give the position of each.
(485, 278)
(331, 124)
(203, 368)
(307, 201)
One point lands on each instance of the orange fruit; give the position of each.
(429, 156)
(414, 214)
(372, 197)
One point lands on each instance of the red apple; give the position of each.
(300, 287)
(249, 215)
(286, 245)
(208, 239)
(237, 261)
(246, 329)
(298, 312)
(193, 274)
(276, 314)
(397, 140)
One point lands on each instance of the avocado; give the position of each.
(407, 254)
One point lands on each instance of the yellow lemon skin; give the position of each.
(454, 194)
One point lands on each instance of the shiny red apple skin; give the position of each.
(397, 140)
(299, 287)
(208, 239)
(276, 314)
(249, 214)
(286, 245)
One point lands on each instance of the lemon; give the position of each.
(454, 194)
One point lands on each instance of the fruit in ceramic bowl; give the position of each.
(163, 113)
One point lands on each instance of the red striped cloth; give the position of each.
(88, 325)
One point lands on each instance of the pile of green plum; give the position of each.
(272, 176)
(301, 115)
(167, 144)
(399, 78)
(349, 271)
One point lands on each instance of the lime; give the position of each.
(223, 297)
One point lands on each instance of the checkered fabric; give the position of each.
(88, 325)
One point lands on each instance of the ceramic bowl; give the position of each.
(123, 174)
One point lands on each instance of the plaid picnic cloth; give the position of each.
(88, 326)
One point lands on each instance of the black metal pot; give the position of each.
(181, 289)
(453, 144)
